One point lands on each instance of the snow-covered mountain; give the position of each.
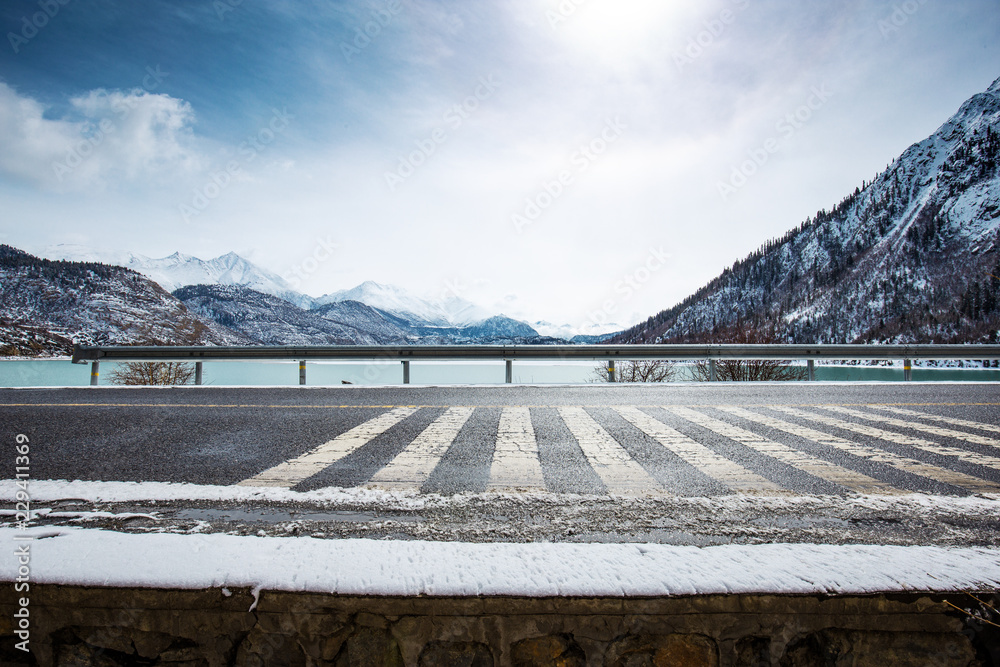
(450, 311)
(913, 256)
(93, 303)
(179, 270)
(448, 318)
(268, 320)
(591, 333)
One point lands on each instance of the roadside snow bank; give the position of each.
(143, 492)
(375, 567)
(123, 492)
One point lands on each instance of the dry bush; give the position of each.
(153, 373)
(641, 370)
(747, 370)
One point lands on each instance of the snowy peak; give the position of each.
(175, 259)
(72, 252)
(587, 333)
(180, 270)
(450, 311)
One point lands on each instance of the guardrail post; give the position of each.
(811, 372)
(95, 372)
(611, 370)
(197, 372)
(510, 371)
(711, 370)
(907, 370)
(406, 372)
(302, 372)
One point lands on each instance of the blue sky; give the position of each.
(567, 160)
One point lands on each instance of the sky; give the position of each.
(582, 162)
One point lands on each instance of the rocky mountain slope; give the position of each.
(269, 320)
(18, 340)
(384, 327)
(913, 256)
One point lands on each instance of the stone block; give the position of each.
(752, 652)
(673, 650)
(547, 651)
(456, 654)
(370, 647)
(860, 648)
(261, 649)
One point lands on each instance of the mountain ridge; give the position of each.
(179, 270)
(448, 312)
(270, 320)
(94, 304)
(912, 256)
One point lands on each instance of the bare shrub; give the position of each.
(747, 370)
(640, 370)
(153, 373)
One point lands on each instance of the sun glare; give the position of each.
(618, 31)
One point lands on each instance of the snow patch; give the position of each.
(376, 567)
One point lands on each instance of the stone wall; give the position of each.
(76, 626)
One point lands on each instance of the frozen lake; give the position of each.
(61, 372)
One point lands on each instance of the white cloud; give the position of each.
(106, 138)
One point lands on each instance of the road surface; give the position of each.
(891, 463)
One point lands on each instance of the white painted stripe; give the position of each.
(954, 421)
(617, 469)
(902, 463)
(898, 438)
(926, 428)
(293, 471)
(698, 455)
(817, 467)
(515, 460)
(414, 465)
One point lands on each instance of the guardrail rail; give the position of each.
(509, 353)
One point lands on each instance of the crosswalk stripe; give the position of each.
(898, 438)
(812, 465)
(515, 460)
(873, 454)
(612, 463)
(414, 465)
(926, 428)
(954, 421)
(289, 473)
(698, 455)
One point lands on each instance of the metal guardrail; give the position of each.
(509, 353)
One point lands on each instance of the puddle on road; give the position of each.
(270, 515)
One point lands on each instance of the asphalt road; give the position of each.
(627, 453)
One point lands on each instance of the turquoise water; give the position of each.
(61, 372)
